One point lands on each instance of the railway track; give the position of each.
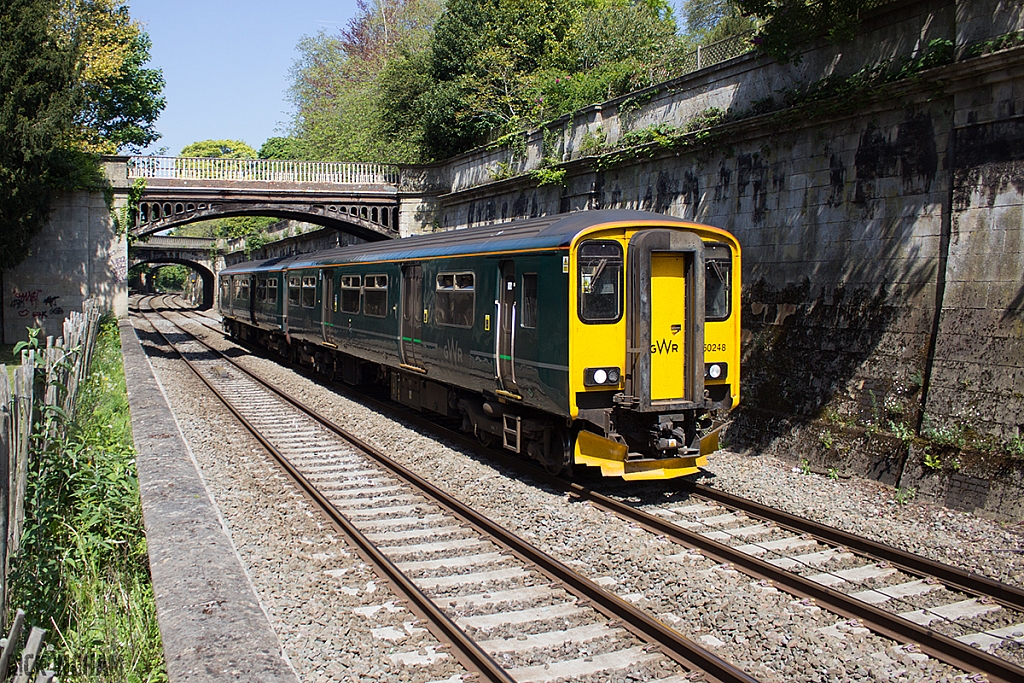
(933, 609)
(509, 611)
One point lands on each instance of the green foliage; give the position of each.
(1015, 447)
(39, 102)
(593, 143)
(947, 434)
(548, 176)
(805, 466)
(708, 21)
(83, 566)
(1002, 42)
(833, 473)
(281, 148)
(827, 439)
(932, 461)
(125, 216)
(122, 98)
(170, 278)
(790, 24)
(904, 495)
(228, 149)
(901, 431)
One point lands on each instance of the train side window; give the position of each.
(225, 290)
(272, 291)
(243, 289)
(308, 292)
(294, 291)
(717, 282)
(350, 290)
(261, 289)
(600, 281)
(375, 295)
(529, 315)
(454, 299)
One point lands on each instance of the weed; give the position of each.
(83, 566)
(932, 461)
(827, 439)
(593, 143)
(901, 431)
(548, 176)
(833, 473)
(905, 494)
(1015, 447)
(949, 434)
(805, 466)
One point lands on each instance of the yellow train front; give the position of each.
(600, 338)
(653, 344)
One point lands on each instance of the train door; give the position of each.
(665, 331)
(668, 318)
(412, 316)
(505, 339)
(329, 305)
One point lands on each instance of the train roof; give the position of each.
(534, 233)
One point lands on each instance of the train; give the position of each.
(604, 338)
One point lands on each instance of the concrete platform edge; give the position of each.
(212, 624)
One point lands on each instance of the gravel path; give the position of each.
(868, 508)
(310, 582)
(772, 636)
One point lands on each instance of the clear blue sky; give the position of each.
(226, 63)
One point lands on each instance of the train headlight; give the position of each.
(598, 377)
(716, 371)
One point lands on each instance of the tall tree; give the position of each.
(39, 99)
(122, 98)
(228, 149)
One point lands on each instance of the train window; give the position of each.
(243, 289)
(375, 295)
(308, 292)
(717, 281)
(294, 291)
(600, 275)
(350, 293)
(261, 289)
(529, 315)
(272, 291)
(225, 290)
(454, 298)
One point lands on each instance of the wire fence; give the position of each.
(42, 391)
(273, 170)
(714, 53)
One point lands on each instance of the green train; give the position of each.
(600, 338)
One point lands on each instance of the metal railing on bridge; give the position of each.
(272, 170)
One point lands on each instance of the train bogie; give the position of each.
(599, 338)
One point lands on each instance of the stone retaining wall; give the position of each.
(882, 238)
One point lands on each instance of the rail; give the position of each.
(272, 170)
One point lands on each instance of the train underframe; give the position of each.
(645, 438)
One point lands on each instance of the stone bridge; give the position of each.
(357, 198)
(197, 253)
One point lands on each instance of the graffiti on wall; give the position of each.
(32, 304)
(119, 268)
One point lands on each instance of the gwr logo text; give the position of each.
(664, 346)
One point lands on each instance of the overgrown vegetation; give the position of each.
(82, 570)
(421, 80)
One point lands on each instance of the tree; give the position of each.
(788, 24)
(39, 99)
(281, 148)
(228, 149)
(122, 98)
(708, 21)
(72, 82)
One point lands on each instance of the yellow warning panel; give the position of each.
(668, 325)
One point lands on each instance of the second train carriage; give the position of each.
(598, 338)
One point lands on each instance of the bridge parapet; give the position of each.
(270, 170)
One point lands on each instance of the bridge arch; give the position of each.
(207, 275)
(360, 199)
(371, 223)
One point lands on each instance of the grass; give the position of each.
(83, 570)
